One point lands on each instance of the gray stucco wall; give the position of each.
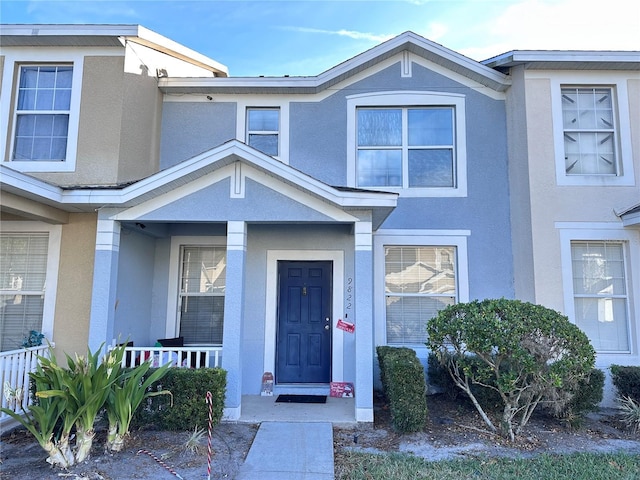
(319, 147)
(135, 269)
(192, 128)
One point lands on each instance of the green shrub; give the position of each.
(188, 408)
(402, 377)
(588, 393)
(525, 353)
(439, 376)
(627, 381)
(584, 398)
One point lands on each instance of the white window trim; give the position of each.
(596, 231)
(53, 263)
(172, 325)
(618, 85)
(410, 99)
(12, 64)
(261, 101)
(427, 238)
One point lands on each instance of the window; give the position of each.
(263, 128)
(600, 293)
(409, 142)
(42, 113)
(405, 147)
(201, 295)
(418, 282)
(589, 131)
(23, 268)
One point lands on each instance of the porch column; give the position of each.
(233, 317)
(105, 282)
(364, 321)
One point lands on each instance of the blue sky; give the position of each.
(307, 37)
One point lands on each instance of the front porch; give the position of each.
(257, 409)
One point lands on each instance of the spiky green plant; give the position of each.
(48, 420)
(125, 397)
(193, 444)
(630, 412)
(91, 383)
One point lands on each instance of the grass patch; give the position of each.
(588, 466)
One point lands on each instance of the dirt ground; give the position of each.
(453, 431)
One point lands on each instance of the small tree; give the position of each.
(526, 353)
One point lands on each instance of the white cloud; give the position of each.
(561, 25)
(345, 33)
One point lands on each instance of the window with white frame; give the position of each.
(201, 294)
(600, 293)
(263, 129)
(418, 281)
(589, 124)
(406, 147)
(43, 106)
(23, 270)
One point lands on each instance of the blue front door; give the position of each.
(303, 338)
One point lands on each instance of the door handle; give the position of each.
(326, 327)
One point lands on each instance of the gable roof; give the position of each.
(407, 41)
(89, 199)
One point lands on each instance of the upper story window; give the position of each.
(412, 143)
(263, 129)
(42, 113)
(592, 129)
(40, 109)
(589, 131)
(406, 147)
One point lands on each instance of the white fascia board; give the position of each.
(151, 39)
(132, 33)
(230, 151)
(234, 150)
(60, 30)
(517, 57)
(26, 183)
(631, 219)
(341, 69)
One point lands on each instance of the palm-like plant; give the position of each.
(41, 421)
(91, 384)
(125, 397)
(48, 420)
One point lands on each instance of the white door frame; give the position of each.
(337, 340)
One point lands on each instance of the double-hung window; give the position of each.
(418, 281)
(201, 294)
(410, 147)
(589, 129)
(23, 270)
(263, 130)
(600, 293)
(43, 107)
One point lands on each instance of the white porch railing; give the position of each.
(186, 357)
(15, 366)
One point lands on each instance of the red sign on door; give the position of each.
(346, 326)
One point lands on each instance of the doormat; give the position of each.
(302, 399)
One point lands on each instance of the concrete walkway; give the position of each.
(290, 451)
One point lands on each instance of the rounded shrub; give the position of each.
(525, 353)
